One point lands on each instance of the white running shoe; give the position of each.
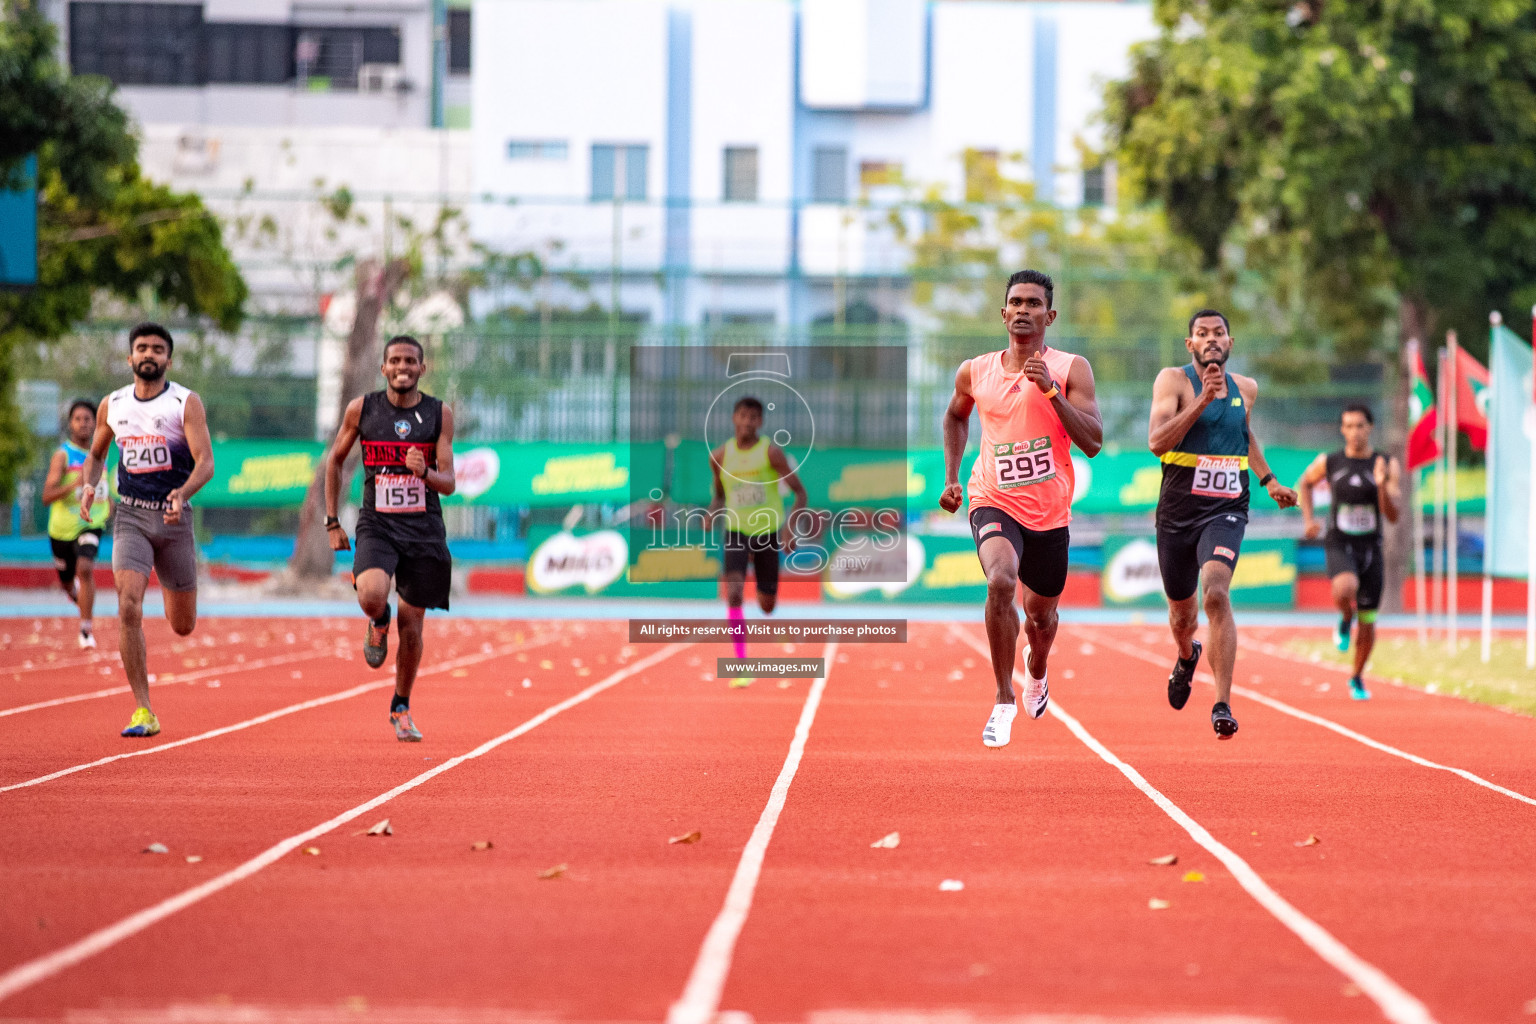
(1037, 693)
(999, 728)
(87, 641)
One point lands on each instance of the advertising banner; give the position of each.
(1265, 575)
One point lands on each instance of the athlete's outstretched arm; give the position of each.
(439, 477)
(195, 423)
(1310, 479)
(1169, 422)
(780, 463)
(1078, 408)
(335, 458)
(957, 428)
(1388, 487)
(95, 459)
(1282, 495)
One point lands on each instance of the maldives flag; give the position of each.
(1422, 446)
(1472, 396)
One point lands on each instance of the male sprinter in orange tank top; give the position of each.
(1034, 403)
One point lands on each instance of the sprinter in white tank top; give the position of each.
(161, 430)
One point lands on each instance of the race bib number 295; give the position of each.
(399, 492)
(1021, 463)
(147, 453)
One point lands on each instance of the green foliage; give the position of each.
(1368, 157)
(104, 231)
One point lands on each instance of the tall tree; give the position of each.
(104, 231)
(1379, 158)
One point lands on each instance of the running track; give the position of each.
(1417, 904)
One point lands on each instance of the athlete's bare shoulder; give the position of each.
(1247, 386)
(1172, 380)
(963, 378)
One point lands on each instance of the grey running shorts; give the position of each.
(142, 540)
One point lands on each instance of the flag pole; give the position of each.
(1530, 552)
(1416, 519)
(1494, 320)
(1452, 537)
(1437, 523)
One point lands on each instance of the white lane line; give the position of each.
(190, 677)
(356, 691)
(1306, 716)
(700, 1000)
(1396, 1003)
(24, 976)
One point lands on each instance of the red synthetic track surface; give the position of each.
(1426, 875)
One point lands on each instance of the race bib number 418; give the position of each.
(1022, 463)
(1218, 476)
(399, 492)
(148, 453)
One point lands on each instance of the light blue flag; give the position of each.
(1510, 415)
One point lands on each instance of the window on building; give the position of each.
(983, 182)
(1094, 186)
(618, 172)
(248, 54)
(537, 149)
(740, 174)
(879, 172)
(137, 43)
(333, 58)
(829, 174)
(458, 41)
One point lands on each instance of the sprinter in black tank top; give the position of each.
(407, 440)
(1365, 489)
(1202, 430)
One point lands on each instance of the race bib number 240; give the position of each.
(1022, 463)
(147, 453)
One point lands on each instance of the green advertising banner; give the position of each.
(260, 474)
(1265, 576)
(941, 568)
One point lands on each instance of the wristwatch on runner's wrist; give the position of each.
(331, 522)
(1265, 479)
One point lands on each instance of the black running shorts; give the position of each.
(1042, 553)
(1181, 554)
(67, 554)
(422, 569)
(1363, 558)
(762, 550)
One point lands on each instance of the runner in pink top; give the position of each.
(1034, 403)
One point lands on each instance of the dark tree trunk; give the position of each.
(1397, 538)
(313, 558)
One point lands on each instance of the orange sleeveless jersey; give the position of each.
(1025, 465)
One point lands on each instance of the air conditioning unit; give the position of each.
(379, 78)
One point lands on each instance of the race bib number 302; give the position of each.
(1218, 476)
(1357, 519)
(399, 492)
(148, 453)
(1022, 463)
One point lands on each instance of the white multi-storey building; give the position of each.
(715, 161)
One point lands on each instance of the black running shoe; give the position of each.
(1222, 721)
(1181, 676)
(376, 644)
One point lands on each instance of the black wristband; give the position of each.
(331, 522)
(1265, 479)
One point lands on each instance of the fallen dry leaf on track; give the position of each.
(546, 663)
(459, 673)
(1309, 841)
(484, 844)
(951, 885)
(312, 851)
(193, 858)
(1193, 876)
(1165, 862)
(687, 837)
(156, 848)
(887, 842)
(1157, 904)
(554, 872)
(383, 828)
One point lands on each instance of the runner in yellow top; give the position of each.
(75, 541)
(747, 471)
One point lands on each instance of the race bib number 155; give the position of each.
(145, 454)
(1218, 476)
(1021, 463)
(399, 492)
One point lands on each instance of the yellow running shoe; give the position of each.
(737, 682)
(143, 723)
